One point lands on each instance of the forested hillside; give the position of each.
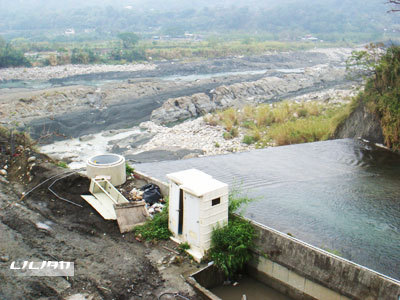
(331, 20)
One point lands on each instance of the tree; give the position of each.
(364, 62)
(10, 57)
(129, 39)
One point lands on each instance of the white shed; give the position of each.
(197, 204)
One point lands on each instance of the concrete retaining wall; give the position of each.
(306, 272)
(163, 186)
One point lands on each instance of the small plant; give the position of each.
(334, 251)
(210, 120)
(156, 228)
(184, 246)
(62, 164)
(129, 170)
(217, 145)
(227, 136)
(237, 200)
(248, 139)
(234, 132)
(302, 112)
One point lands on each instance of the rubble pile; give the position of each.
(154, 201)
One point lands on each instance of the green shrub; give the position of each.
(230, 246)
(128, 169)
(300, 131)
(62, 164)
(237, 200)
(247, 139)
(234, 132)
(184, 246)
(10, 57)
(247, 124)
(382, 93)
(227, 136)
(156, 228)
(302, 112)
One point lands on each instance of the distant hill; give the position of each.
(284, 19)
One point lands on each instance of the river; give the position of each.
(339, 195)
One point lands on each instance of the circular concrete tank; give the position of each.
(112, 165)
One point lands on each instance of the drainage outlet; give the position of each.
(112, 165)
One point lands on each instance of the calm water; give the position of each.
(253, 289)
(341, 195)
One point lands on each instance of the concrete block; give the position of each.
(297, 281)
(265, 266)
(319, 292)
(281, 273)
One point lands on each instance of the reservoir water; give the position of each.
(250, 287)
(341, 195)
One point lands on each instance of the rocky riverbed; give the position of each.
(164, 93)
(150, 142)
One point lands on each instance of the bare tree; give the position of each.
(395, 5)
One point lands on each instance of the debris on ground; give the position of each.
(136, 194)
(151, 193)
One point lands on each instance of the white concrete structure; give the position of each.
(111, 165)
(197, 204)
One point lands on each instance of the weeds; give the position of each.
(248, 139)
(333, 251)
(156, 228)
(230, 246)
(62, 164)
(283, 123)
(299, 131)
(237, 200)
(128, 169)
(184, 246)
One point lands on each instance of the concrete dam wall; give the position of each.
(306, 272)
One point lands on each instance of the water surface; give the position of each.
(253, 289)
(340, 195)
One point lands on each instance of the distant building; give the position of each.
(309, 38)
(69, 31)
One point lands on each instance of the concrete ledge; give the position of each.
(206, 278)
(164, 187)
(303, 271)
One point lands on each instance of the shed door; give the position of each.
(174, 208)
(191, 219)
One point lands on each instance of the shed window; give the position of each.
(216, 201)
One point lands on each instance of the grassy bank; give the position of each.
(214, 48)
(382, 96)
(283, 123)
(113, 52)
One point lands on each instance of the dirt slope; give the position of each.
(41, 227)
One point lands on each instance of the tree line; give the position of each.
(11, 57)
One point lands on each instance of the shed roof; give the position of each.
(196, 182)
